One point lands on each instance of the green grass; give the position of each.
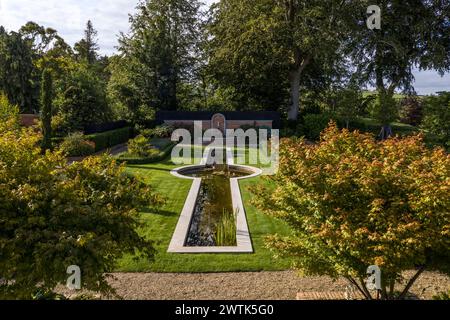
(396, 96)
(159, 227)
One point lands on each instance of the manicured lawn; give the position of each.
(161, 225)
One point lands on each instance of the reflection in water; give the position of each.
(213, 209)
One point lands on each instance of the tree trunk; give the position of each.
(386, 132)
(294, 78)
(367, 292)
(411, 282)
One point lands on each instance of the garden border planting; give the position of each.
(147, 160)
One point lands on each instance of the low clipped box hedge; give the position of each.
(152, 158)
(111, 138)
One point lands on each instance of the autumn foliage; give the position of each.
(354, 202)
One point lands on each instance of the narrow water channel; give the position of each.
(213, 214)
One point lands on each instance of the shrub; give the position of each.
(411, 110)
(53, 215)
(289, 128)
(139, 146)
(58, 126)
(437, 118)
(76, 145)
(81, 100)
(374, 127)
(154, 155)
(314, 124)
(163, 131)
(110, 139)
(354, 202)
(8, 111)
(103, 127)
(442, 296)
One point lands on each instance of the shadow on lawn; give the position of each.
(159, 212)
(149, 168)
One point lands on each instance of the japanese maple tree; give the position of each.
(353, 202)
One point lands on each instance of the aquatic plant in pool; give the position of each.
(226, 230)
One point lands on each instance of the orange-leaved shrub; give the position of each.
(353, 202)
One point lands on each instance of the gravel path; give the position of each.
(249, 285)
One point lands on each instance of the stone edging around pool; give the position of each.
(244, 242)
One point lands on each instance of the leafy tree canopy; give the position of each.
(53, 215)
(353, 202)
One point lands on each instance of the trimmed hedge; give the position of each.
(370, 125)
(110, 139)
(104, 127)
(314, 124)
(152, 159)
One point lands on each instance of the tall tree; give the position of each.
(17, 70)
(276, 40)
(159, 50)
(46, 109)
(87, 48)
(81, 99)
(414, 33)
(44, 40)
(49, 52)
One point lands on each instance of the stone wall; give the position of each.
(230, 124)
(28, 120)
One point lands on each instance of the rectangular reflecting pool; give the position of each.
(214, 220)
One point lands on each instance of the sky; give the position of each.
(110, 17)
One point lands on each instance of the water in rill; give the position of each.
(214, 220)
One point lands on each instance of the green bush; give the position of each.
(140, 146)
(76, 145)
(54, 214)
(372, 126)
(154, 156)
(442, 296)
(314, 124)
(163, 131)
(437, 118)
(109, 139)
(8, 110)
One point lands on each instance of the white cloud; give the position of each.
(69, 17)
(429, 82)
